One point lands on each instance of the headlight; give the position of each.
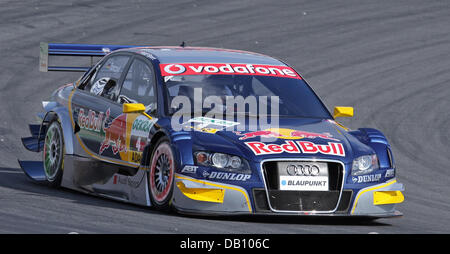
(222, 161)
(365, 164)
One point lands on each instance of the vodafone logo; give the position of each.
(174, 69)
(230, 69)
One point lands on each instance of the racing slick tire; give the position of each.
(161, 175)
(53, 155)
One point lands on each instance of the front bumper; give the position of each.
(195, 196)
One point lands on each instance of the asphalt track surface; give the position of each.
(388, 59)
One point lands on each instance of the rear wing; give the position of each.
(81, 50)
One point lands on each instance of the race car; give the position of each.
(206, 131)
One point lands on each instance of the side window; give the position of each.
(139, 85)
(106, 77)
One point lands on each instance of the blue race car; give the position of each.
(206, 131)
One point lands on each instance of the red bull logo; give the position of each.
(298, 147)
(91, 121)
(255, 134)
(284, 134)
(115, 134)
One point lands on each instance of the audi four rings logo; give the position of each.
(174, 68)
(303, 170)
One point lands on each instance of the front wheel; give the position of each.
(54, 154)
(161, 175)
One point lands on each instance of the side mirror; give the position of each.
(343, 112)
(133, 108)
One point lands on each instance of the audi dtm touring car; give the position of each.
(206, 131)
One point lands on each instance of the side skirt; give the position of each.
(129, 189)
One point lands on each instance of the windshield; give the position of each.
(274, 96)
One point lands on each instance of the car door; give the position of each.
(139, 86)
(100, 124)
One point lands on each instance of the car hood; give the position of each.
(293, 138)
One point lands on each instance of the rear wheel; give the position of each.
(161, 175)
(54, 154)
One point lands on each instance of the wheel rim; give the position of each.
(161, 173)
(52, 152)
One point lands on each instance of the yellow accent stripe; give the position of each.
(202, 194)
(147, 115)
(370, 189)
(342, 126)
(220, 186)
(70, 108)
(87, 149)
